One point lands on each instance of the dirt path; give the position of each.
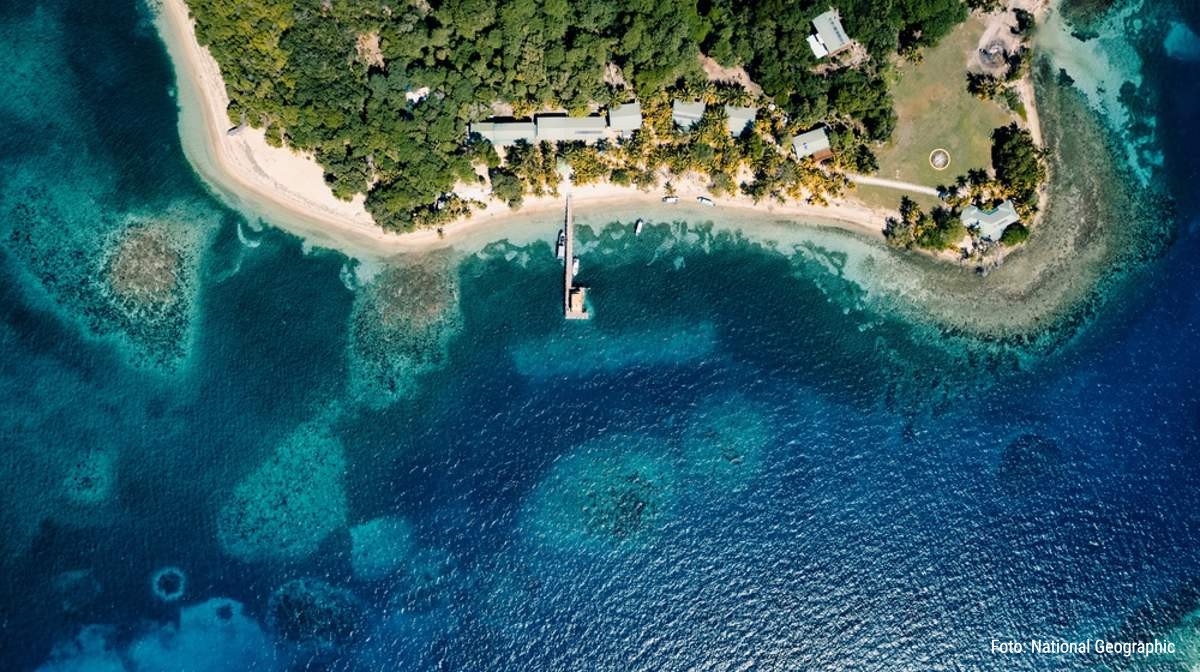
(892, 184)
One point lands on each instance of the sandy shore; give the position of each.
(1066, 266)
(286, 189)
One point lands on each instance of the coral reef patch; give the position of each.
(91, 650)
(314, 614)
(380, 547)
(290, 503)
(91, 480)
(168, 584)
(724, 441)
(612, 491)
(401, 326)
(213, 636)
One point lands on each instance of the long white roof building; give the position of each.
(626, 117)
(686, 115)
(830, 37)
(813, 143)
(740, 118)
(570, 129)
(502, 133)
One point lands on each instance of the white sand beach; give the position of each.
(287, 189)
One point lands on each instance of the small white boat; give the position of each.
(575, 266)
(560, 248)
(637, 228)
(705, 201)
(670, 200)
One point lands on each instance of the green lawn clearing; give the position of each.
(936, 112)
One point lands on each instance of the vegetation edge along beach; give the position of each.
(1051, 280)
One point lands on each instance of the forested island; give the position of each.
(331, 78)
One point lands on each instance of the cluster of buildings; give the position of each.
(623, 120)
(688, 114)
(814, 143)
(830, 38)
(620, 122)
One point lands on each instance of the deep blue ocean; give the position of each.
(693, 480)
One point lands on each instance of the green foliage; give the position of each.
(1026, 21)
(1020, 165)
(1013, 99)
(1015, 234)
(587, 165)
(508, 187)
(984, 86)
(985, 5)
(941, 230)
(536, 166)
(902, 231)
(1018, 64)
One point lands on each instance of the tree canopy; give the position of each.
(381, 92)
(1020, 164)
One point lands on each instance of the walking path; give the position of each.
(892, 184)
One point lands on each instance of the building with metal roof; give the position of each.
(686, 115)
(990, 223)
(625, 118)
(739, 118)
(830, 37)
(814, 143)
(570, 129)
(502, 133)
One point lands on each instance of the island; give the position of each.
(420, 120)
(950, 132)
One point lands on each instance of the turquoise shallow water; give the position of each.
(694, 480)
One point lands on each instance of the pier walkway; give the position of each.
(574, 298)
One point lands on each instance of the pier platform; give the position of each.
(574, 297)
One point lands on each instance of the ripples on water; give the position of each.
(727, 466)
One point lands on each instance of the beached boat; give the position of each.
(560, 248)
(705, 201)
(637, 228)
(670, 200)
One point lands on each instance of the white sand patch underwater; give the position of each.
(1181, 43)
(1106, 67)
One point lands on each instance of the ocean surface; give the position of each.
(733, 466)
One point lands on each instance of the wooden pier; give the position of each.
(574, 297)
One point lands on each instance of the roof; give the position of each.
(740, 118)
(686, 114)
(818, 49)
(815, 141)
(557, 129)
(627, 117)
(991, 223)
(505, 132)
(830, 32)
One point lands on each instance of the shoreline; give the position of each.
(287, 189)
(1039, 288)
